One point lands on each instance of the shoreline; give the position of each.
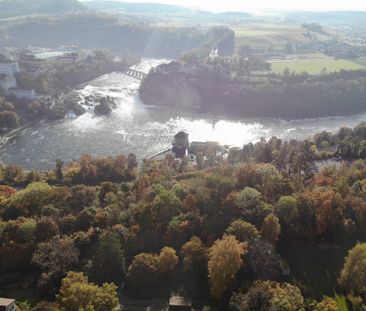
(13, 133)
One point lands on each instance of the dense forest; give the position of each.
(242, 87)
(261, 229)
(108, 32)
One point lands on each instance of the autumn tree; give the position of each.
(46, 229)
(168, 260)
(13, 174)
(195, 256)
(76, 294)
(327, 304)
(268, 295)
(271, 229)
(81, 197)
(54, 257)
(225, 260)
(143, 265)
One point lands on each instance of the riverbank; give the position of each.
(204, 89)
(13, 133)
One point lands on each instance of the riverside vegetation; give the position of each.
(77, 235)
(249, 89)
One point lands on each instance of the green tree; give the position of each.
(250, 202)
(9, 120)
(287, 209)
(243, 231)
(353, 274)
(165, 206)
(131, 161)
(59, 173)
(31, 198)
(108, 261)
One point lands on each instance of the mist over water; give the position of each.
(144, 130)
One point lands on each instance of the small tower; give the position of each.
(180, 145)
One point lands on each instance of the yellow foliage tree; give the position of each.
(225, 260)
(271, 229)
(76, 294)
(168, 260)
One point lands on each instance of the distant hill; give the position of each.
(11, 8)
(237, 15)
(99, 30)
(156, 9)
(135, 8)
(351, 18)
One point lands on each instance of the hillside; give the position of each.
(167, 15)
(351, 18)
(107, 32)
(245, 88)
(135, 8)
(11, 8)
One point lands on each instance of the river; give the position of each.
(143, 130)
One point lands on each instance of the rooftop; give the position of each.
(179, 301)
(4, 302)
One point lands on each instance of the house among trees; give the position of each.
(7, 304)
(179, 303)
(180, 145)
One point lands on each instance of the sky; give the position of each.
(259, 5)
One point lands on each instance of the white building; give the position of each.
(9, 69)
(6, 83)
(23, 94)
(7, 304)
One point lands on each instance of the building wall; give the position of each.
(9, 69)
(28, 94)
(7, 83)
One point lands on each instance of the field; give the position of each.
(317, 65)
(264, 34)
(361, 61)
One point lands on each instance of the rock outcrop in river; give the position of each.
(106, 106)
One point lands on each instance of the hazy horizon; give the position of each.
(263, 5)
